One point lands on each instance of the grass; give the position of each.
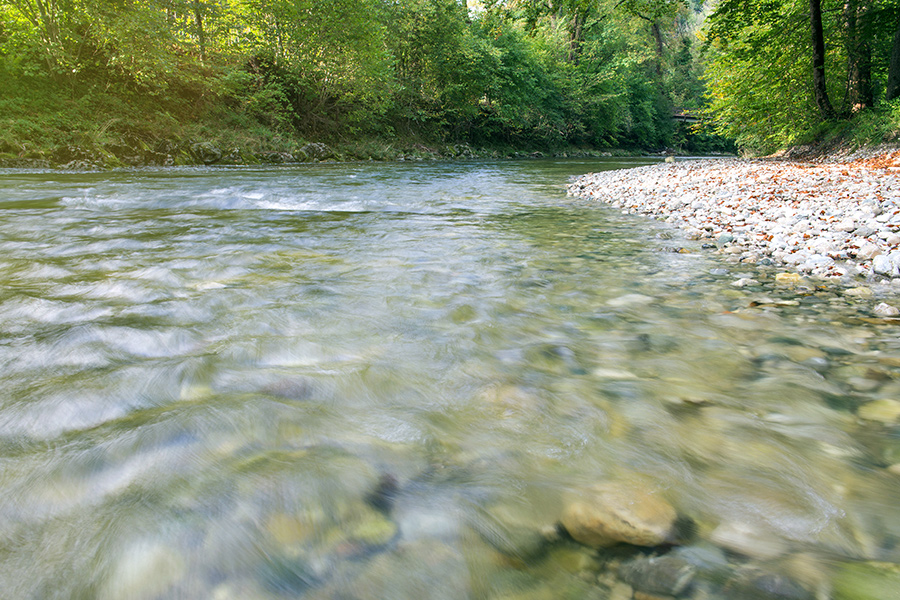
(872, 127)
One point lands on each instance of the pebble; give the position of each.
(883, 411)
(884, 309)
(144, 570)
(831, 218)
(745, 281)
(612, 512)
(787, 278)
(747, 540)
(860, 292)
(668, 575)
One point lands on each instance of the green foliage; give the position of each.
(525, 73)
(759, 66)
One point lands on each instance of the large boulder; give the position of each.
(615, 512)
(313, 151)
(206, 153)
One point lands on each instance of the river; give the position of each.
(373, 381)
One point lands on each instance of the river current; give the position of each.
(356, 381)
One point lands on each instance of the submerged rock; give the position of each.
(756, 584)
(669, 575)
(515, 529)
(146, 569)
(383, 495)
(883, 411)
(747, 540)
(613, 512)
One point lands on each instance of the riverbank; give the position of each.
(134, 152)
(835, 217)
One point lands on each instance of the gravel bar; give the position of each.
(837, 217)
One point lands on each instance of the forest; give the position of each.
(207, 80)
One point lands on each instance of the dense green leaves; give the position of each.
(767, 86)
(515, 72)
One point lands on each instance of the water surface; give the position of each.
(381, 381)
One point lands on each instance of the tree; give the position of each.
(859, 54)
(820, 89)
(893, 80)
(754, 47)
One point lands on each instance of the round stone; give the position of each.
(884, 309)
(613, 512)
(882, 411)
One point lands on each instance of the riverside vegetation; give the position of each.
(203, 81)
(106, 83)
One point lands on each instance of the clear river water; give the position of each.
(386, 381)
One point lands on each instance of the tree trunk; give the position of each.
(859, 56)
(201, 34)
(657, 37)
(893, 80)
(820, 91)
(575, 37)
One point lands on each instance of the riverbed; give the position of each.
(431, 380)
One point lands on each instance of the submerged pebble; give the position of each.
(616, 512)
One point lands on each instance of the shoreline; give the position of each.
(835, 218)
(189, 152)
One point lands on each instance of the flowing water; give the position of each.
(384, 381)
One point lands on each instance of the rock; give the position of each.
(513, 530)
(886, 310)
(810, 571)
(744, 282)
(370, 528)
(868, 251)
(384, 494)
(68, 154)
(288, 529)
(206, 153)
(314, 151)
(420, 569)
(883, 411)
(754, 584)
(747, 540)
(613, 512)
(621, 591)
(629, 300)
(881, 264)
(611, 373)
(234, 156)
(290, 389)
(707, 559)
(787, 278)
(144, 570)
(860, 292)
(276, 157)
(818, 261)
(670, 575)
